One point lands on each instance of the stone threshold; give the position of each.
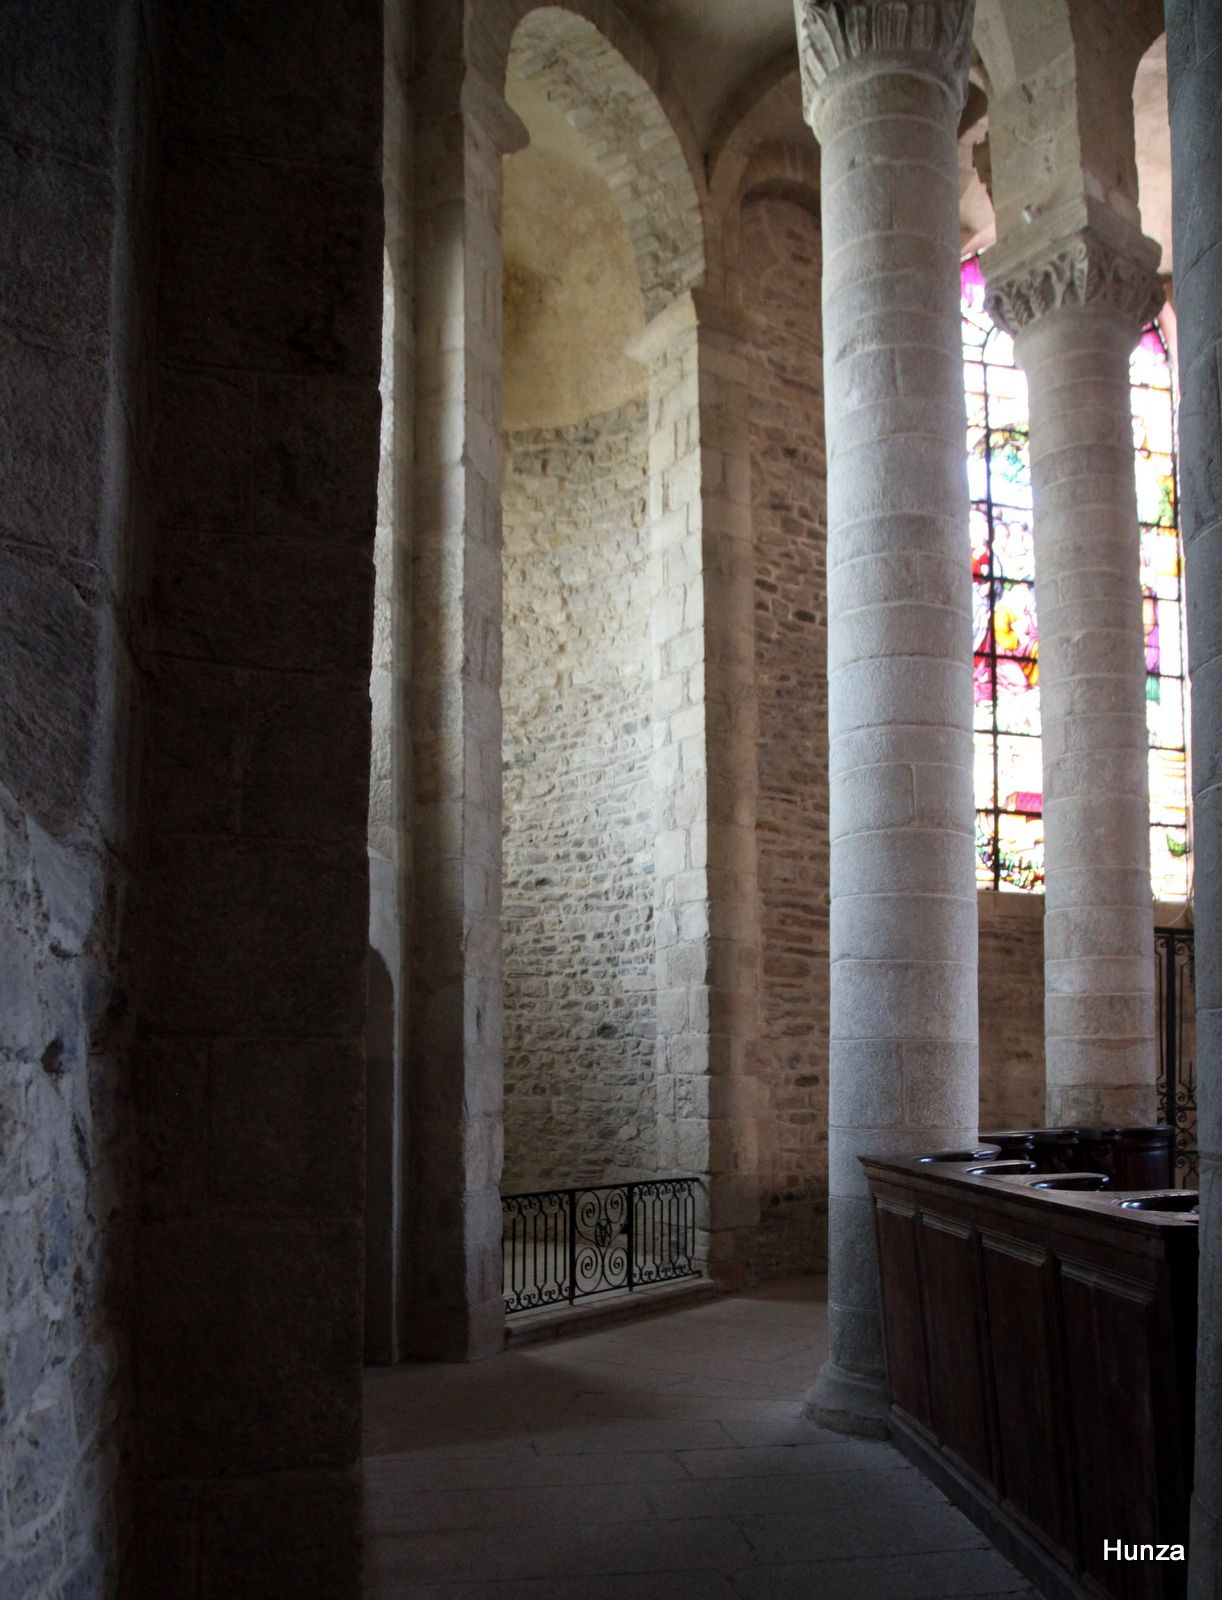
(558, 1322)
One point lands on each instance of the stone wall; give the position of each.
(628, 135)
(386, 1031)
(1012, 1006)
(1011, 988)
(250, 1066)
(77, 109)
(580, 1006)
(782, 269)
(782, 265)
(704, 767)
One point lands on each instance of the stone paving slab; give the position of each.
(978, 1574)
(857, 1494)
(634, 1586)
(635, 1433)
(916, 1578)
(562, 1550)
(533, 1505)
(638, 1463)
(766, 1461)
(403, 1474)
(829, 1530)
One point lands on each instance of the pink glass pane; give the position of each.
(1148, 364)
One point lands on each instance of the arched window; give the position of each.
(1009, 782)
(1163, 603)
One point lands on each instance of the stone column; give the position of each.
(254, 874)
(883, 88)
(1077, 307)
(455, 1308)
(1194, 54)
(707, 918)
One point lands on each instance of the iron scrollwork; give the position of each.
(665, 1229)
(563, 1245)
(1177, 1079)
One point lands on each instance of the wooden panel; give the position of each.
(1034, 1477)
(903, 1324)
(1110, 1330)
(1082, 1322)
(959, 1398)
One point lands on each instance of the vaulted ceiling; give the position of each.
(712, 49)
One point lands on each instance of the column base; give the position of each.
(848, 1403)
(455, 1333)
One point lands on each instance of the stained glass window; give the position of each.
(1009, 779)
(1163, 604)
(1009, 783)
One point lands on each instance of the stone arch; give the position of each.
(578, 802)
(1015, 38)
(762, 148)
(608, 84)
(740, 127)
(1153, 140)
(778, 172)
(1060, 81)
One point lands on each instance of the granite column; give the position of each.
(1077, 308)
(883, 87)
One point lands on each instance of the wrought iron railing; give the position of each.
(562, 1245)
(1177, 1076)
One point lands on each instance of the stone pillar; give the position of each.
(1077, 307)
(454, 1306)
(1194, 55)
(254, 902)
(883, 88)
(704, 765)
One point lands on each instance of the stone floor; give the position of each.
(662, 1459)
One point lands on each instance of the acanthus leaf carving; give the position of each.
(1082, 271)
(832, 33)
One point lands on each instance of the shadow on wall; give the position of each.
(379, 1164)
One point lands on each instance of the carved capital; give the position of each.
(1080, 271)
(929, 36)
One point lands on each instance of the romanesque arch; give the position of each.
(595, 65)
(632, 137)
(583, 265)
